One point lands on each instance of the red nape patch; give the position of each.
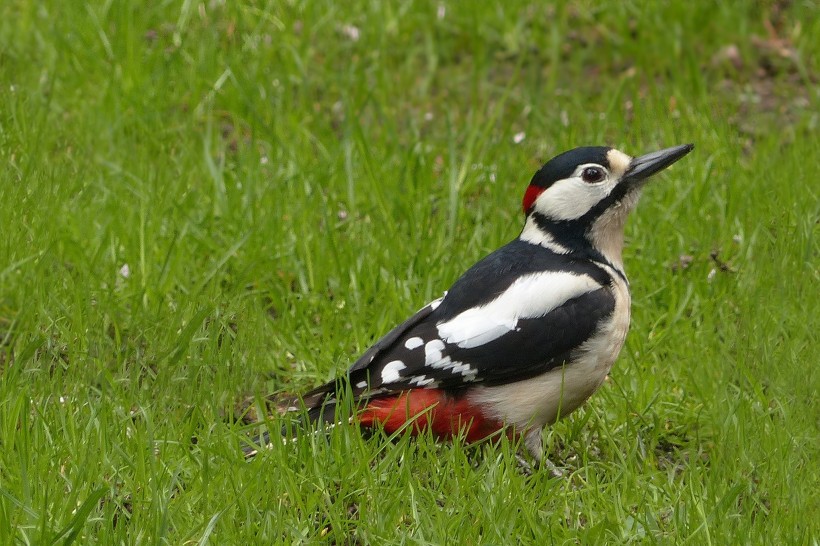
(431, 409)
(530, 196)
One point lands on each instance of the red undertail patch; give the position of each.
(433, 409)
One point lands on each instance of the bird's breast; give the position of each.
(599, 352)
(540, 400)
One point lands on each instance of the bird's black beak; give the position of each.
(642, 167)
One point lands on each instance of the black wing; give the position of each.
(517, 313)
(317, 396)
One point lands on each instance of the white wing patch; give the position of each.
(432, 351)
(475, 327)
(390, 372)
(413, 343)
(423, 381)
(456, 367)
(531, 296)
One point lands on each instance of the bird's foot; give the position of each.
(527, 469)
(554, 471)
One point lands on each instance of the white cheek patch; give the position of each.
(531, 296)
(571, 198)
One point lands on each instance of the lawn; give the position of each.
(203, 203)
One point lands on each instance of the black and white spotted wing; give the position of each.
(517, 313)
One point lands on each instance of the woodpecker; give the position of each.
(529, 332)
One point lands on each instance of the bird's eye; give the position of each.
(593, 174)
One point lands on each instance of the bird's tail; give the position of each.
(318, 406)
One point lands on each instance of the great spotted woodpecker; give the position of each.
(528, 333)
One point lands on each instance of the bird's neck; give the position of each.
(607, 232)
(608, 239)
(603, 241)
(537, 231)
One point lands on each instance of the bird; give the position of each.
(527, 334)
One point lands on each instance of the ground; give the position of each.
(204, 203)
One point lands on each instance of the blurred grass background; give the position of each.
(205, 202)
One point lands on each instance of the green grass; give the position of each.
(282, 193)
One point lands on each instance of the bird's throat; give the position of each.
(607, 234)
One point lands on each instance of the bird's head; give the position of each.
(579, 200)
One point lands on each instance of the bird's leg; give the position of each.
(523, 464)
(532, 441)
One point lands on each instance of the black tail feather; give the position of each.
(297, 420)
(320, 406)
